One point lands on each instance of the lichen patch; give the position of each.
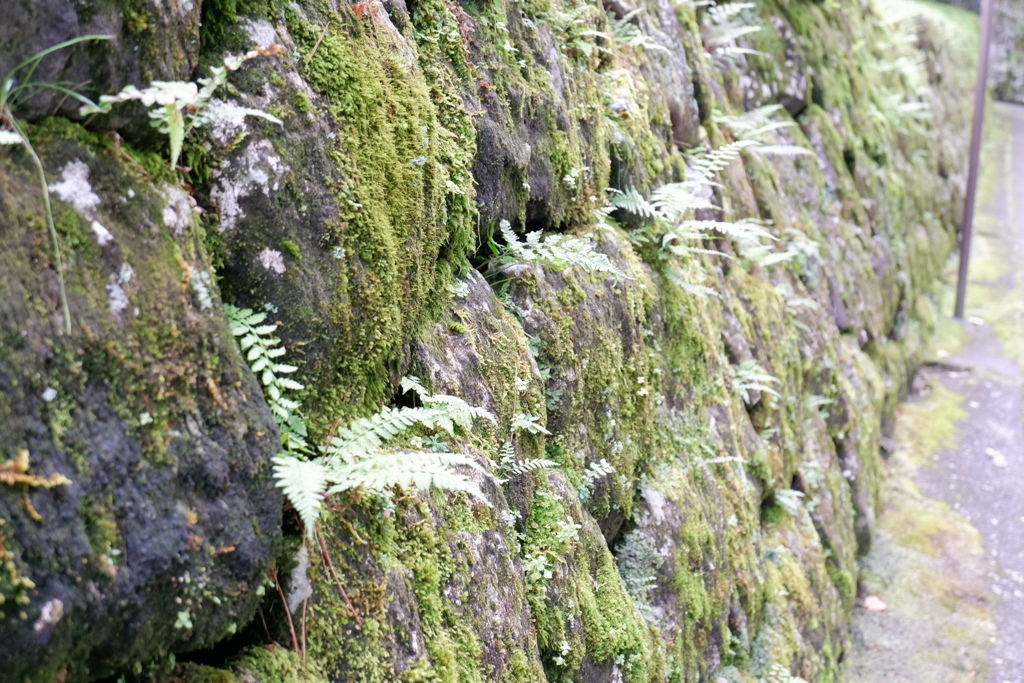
(103, 236)
(259, 169)
(177, 214)
(74, 188)
(272, 260)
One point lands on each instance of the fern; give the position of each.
(723, 27)
(450, 410)
(304, 483)
(753, 126)
(722, 14)
(262, 351)
(528, 423)
(710, 164)
(176, 107)
(558, 252)
(749, 376)
(356, 457)
(416, 469)
(632, 201)
(789, 500)
(673, 207)
(780, 674)
(627, 33)
(512, 466)
(590, 476)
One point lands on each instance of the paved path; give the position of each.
(949, 561)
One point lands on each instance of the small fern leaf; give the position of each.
(631, 201)
(418, 469)
(531, 465)
(304, 483)
(507, 454)
(411, 383)
(371, 432)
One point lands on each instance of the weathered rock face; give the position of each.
(145, 40)
(714, 407)
(161, 538)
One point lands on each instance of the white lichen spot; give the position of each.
(272, 260)
(260, 32)
(49, 393)
(52, 612)
(258, 169)
(228, 121)
(131, 193)
(103, 235)
(74, 188)
(116, 299)
(177, 214)
(125, 274)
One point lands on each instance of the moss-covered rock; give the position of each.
(159, 542)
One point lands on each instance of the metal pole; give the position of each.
(987, 11)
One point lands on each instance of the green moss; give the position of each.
(456, 327)
(301, 102)
(220, 17)
(292, 249)
(406, 217)
(940, 414)
(269, 664)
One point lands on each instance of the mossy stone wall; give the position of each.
(725, 541)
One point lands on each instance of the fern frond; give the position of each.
(411, 383)
(528, 423)
(414, 469)
(261, 349)
(511, 466)
(750, 376)
(558, 252)
(631, 201)
(721, 39)
(304, 483)
(449, 410)
(597, 470)
(783, 150)
(452, 409)
(709, 164)
(507, 454)
(671, 202)
(689, 287)
(724, 13)
(531, 465)
(368, 433)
